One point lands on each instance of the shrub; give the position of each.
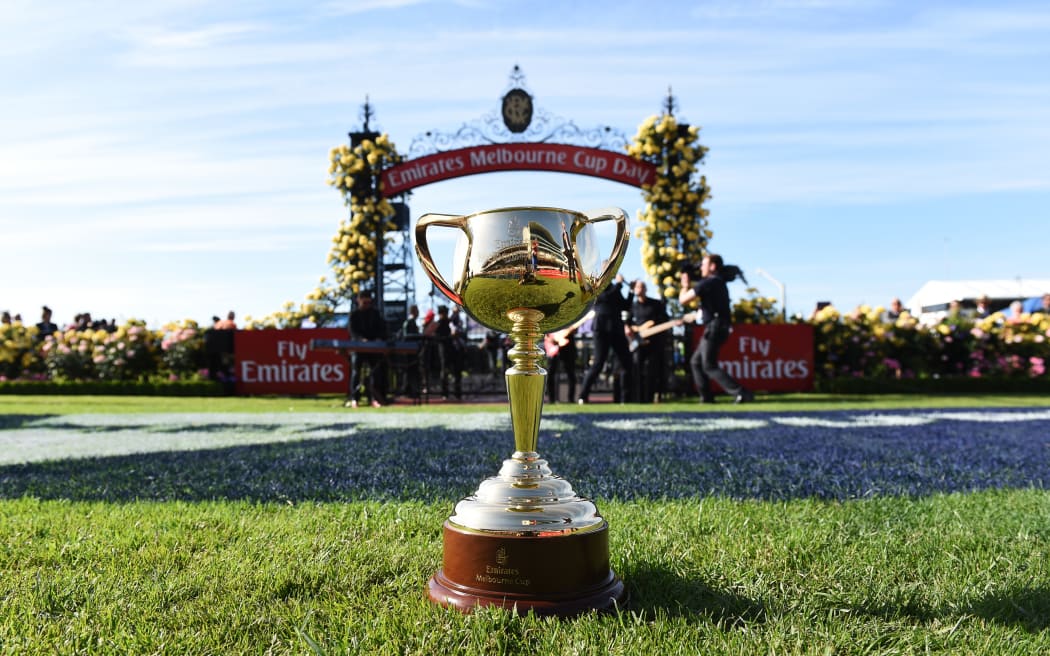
(182, 349)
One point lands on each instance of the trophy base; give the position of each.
(550, 574)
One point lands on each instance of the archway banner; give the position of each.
(563, 158)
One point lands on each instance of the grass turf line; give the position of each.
(59, 405)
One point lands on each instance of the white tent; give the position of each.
(932, 298)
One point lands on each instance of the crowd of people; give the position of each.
(83, 321)
(961, 312)
(46, 326)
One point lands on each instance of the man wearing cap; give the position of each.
(713, 293)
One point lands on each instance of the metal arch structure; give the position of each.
(517, 137)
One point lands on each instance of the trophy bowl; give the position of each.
(525, 539)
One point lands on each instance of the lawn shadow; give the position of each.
(374, 464)
(655, 590)
(13, 421)
(1028, 608)
(603, 456)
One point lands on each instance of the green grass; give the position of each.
(951, 574)
(47, 404)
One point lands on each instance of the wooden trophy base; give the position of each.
(548, 574)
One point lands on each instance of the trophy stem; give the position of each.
(526, 381)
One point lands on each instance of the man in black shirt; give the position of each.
(648, 352)
(367, 325)
(713, 293)
(609, 334)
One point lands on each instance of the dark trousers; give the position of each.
(704, 362)
(451, 367)
(566, 359)
(375, 382)
(605, 341)
(650, 370)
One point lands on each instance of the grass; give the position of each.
(86, 566)
(950, 574)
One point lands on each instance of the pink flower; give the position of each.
(1038, 366)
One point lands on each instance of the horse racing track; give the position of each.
(434, 456)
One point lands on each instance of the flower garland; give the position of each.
(355, 173)
(674, 221)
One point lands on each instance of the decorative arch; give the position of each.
(520, 137)
(372, 248)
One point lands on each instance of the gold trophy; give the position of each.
(524, 539)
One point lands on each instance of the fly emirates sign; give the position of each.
(282, 362)
(768, 357)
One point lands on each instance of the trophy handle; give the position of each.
(423, 249)
(622, 237)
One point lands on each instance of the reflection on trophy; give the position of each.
(524, 539)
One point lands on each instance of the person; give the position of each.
(5, 319)
(46, 326)
(410, 327)
(560, 347)
(955, 316)
(429, 352)
(492, 345)
(894, 313)
(648, 356)
(82, 322)
(983, 307)
(1044, 305)
(366, 325)
(407, 369)
(228, 323)
(448, 354)
(713, 292)
(218, 352)
(1016, 312)
(609, 334)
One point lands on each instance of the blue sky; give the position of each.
(167, 159)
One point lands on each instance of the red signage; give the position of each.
(768, 357)
(282, 362)
(595, 162)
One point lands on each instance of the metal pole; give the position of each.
(781, 287)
